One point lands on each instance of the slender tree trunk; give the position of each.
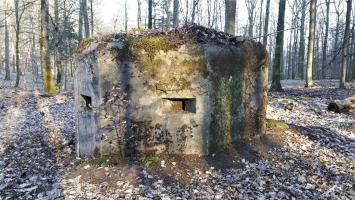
(150, 14)
(261, 19)
(92, 17)
(336, 43)
(168, 14)
(33, 59)
(139, 14)
(266, 25)
(312, 31)
(57, 56)
(295, 55)
(80, 20)
(345, 47)
(289, 56)
(301, 51)
(17, 40)
(353, 53)
(276, 72)
(194, 6)
(125, 17)
(325, 41)
(316, 62)
(176, 13)
(86, 18)
(7, 47)
(49, 86)
(230, 6)
(251, 16)
(237, 18)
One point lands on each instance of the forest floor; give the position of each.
(309, 156)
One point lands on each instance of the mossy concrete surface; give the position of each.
(185, 97)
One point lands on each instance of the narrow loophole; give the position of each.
(179, 105)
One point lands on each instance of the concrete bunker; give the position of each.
(191, 90)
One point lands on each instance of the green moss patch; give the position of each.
(276, 125)
(150, 160)
(151, 45)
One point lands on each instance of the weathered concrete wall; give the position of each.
(149, 96)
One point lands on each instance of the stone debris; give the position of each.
(316, 160)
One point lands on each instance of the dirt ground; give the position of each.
(307, 153)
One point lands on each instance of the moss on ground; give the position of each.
(276, 125)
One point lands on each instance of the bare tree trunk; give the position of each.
(337, 6)
(316, 61)
(139, 14)
(325, 41)
(345, 47)
(237, 18)
(33, 59)
(295, 55)
(261, 19)
(125, 17)
(353, 53)
(86, 18)
(289, 56)
(150, 14)
(17, 48)
(176, 13)
(92, 17)
(266, 25)
(80, 20)
(194, 6)
(312, 31)
(168, 14)
(250, 4)
(49, 86)
(7, 47)
(301, 50)
(57, 59)
(276, 72)
(230, 6)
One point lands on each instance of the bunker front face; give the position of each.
(191, 90)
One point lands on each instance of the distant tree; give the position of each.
(312, 31)
(194, 8)
(83, 20)
(176, 13)
(86, 18)
(276, 72)
(230, 10)
(345, 47)
(49, 86)
(7, 46)
(251, 5)
(139, 13)
(168, 13)
(302, 46)
(92, 17)
(19, 11)
(150, 14)
(266, 23)
(325, 41)
(125, 16)
(261, 19)
(339, 12)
